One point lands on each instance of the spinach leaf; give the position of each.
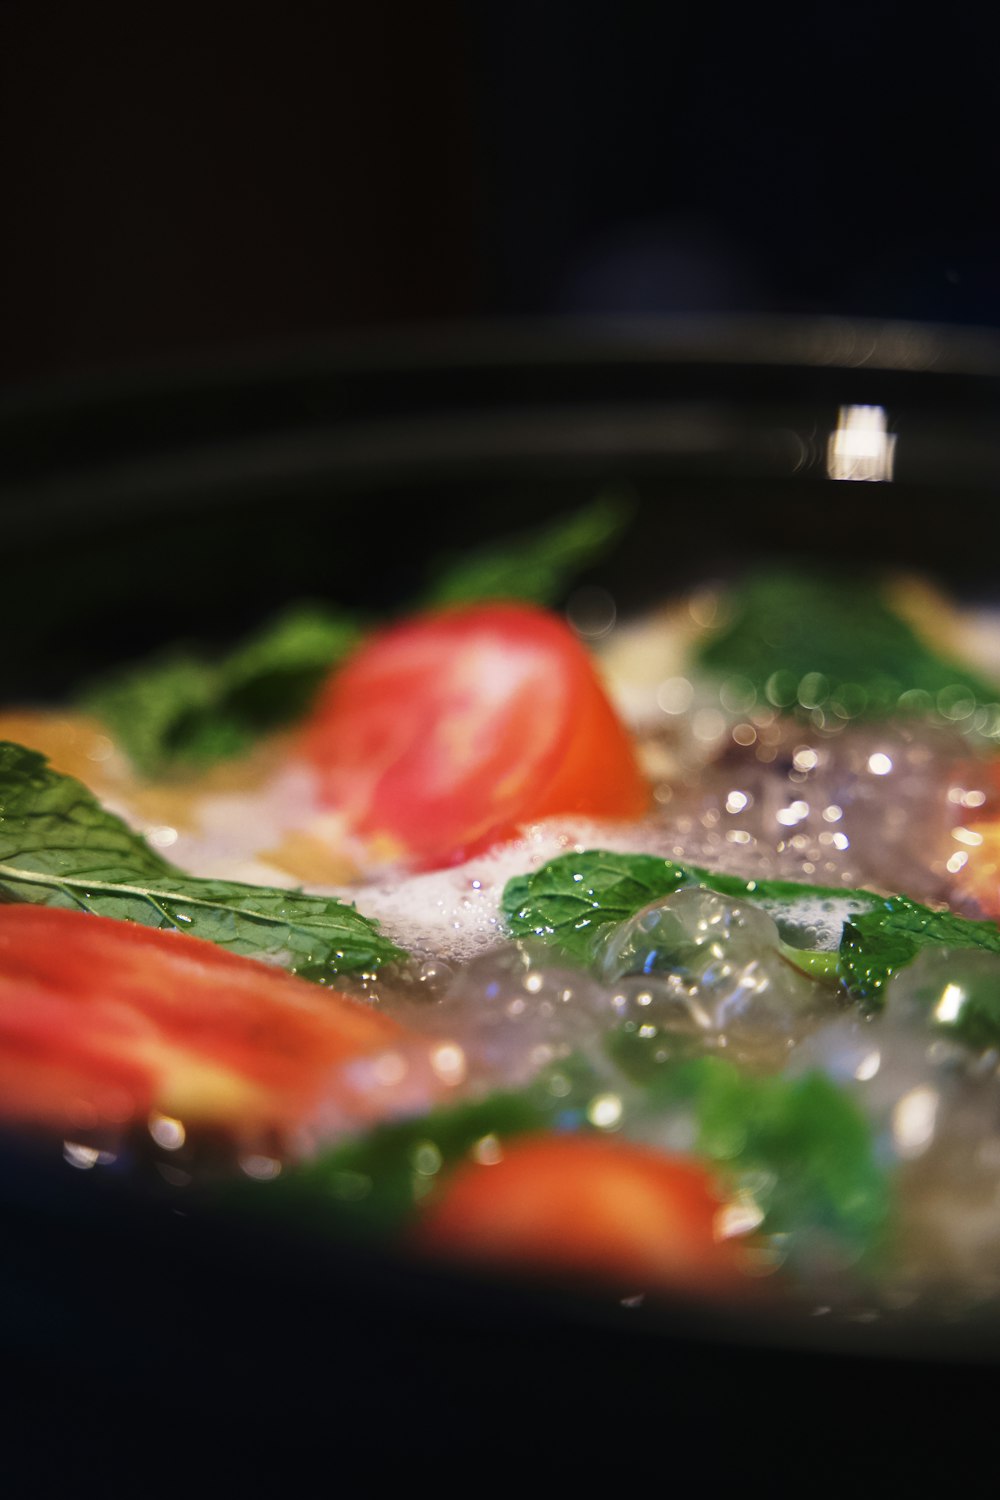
(60, 847)
(875, 944)
(811, 640)
(536, 566)
(574, 900)
(800, 1147)
(182, 709)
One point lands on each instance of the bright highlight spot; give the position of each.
(861, 447)
(868, 1066)
(448, 1062)
(605, 1111)
(261, 1168)
(913, 1121)
(167, 1132)
(949, 1006)
(487, 1151)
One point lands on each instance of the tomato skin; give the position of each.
(445, 733)
(591, 1207)
(102, 1022)
(978, 879)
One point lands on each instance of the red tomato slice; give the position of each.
(102, 1022)
(977, 877)
(590, 1206)
(443, 734)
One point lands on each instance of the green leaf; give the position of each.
(575, 900)
(182, 709)
(536, 566)
(811, 640)
(372, 1185)
(800, 1147)
(59, 847)
(958, 993)
(877, 943)
(386, 1172)
(817, 963)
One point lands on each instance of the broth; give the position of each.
(703, 1010)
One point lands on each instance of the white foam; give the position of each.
(457, 913)
(815, 920)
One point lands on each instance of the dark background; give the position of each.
(181, 181)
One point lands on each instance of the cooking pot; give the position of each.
(155, 1343)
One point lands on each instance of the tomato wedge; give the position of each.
(589, 1206)
(443, 734)
(102, 1022)
(974, 862)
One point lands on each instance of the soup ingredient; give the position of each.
(950, 993)
(824, 643)
(373, 1183)
(877, 943)
(979, 835)
(800, 1153)
(104, 1022)
(188, 708)
(576, 900)
(592, 907)
(536, 566)
(184, 709)
(59, 847)
(443, 734)
(595, 1207)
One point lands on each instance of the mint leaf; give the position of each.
(573, 901)
(371, 1185)
(382, 1176)
(182, 709)
(877, 943)
(59, 847)
(958, 994)
(814, 640)
(799, 1146)
(536, 566)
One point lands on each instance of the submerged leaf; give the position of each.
(877, 943)
(799, 1147)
